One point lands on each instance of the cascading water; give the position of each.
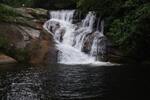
(70, 37)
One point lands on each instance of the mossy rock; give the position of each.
(25, 40)
(6, 10)
(24, 16)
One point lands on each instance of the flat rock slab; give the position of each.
(6, 59)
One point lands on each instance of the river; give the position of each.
(74, 82)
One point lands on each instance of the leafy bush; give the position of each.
(48, 4)
(131, 32)
(7, 11)
(17, 3)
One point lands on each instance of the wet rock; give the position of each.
(101, 52)
(4, 59)
(102, 49)
(41, 52)
(18, 35)
(53, 26)
(88, 43)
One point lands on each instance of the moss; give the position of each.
(22, 16)
(7, 11)
(8, 14)
(39, 13)
(4, 42)
(21, 55)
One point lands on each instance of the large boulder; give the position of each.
(43, 50)
(26, 40)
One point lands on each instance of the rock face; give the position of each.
(27, 41)
(102, 49)
(101, 45)
(42, 50)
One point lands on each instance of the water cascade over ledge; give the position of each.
(77, 43)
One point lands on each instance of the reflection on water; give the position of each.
(57, 82)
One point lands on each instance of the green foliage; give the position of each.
(48, 4)
(127, 24)
(131, 32)
(8, 14)
(18, 3)
(104, 7)
(55, 4)
(121, 29)
(3, 42)
(7, 11)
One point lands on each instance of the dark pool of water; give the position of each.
(61, 82)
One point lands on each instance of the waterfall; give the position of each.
(70, 37)
(95, 48)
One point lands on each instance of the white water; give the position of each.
(70, 37)
(99, 34)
